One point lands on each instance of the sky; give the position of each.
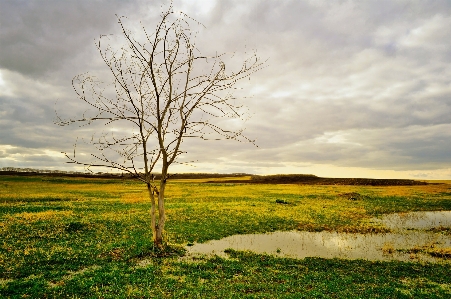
(349, 88)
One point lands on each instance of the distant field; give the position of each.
(438, 181)
(89, 237)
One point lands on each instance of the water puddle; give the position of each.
(416, 220)
(403, 245)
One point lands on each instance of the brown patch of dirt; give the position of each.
(351, 196)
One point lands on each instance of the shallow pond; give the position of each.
(404, 245)
(416, 220)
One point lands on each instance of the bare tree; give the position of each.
(166, 91)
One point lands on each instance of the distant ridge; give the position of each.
(56, 173)
(310, 179)
(307, 179)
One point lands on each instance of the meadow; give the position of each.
(66, 237)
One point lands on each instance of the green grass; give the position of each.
(90, 238)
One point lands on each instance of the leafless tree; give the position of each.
(166, 91)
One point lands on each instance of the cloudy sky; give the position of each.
(350, 88)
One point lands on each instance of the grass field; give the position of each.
(90, 238)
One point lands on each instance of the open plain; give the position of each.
(69, 237)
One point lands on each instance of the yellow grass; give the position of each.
(41, 216)
(308, 204)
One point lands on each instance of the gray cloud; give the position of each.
(348, 83)
(37, 37)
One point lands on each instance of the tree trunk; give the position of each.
(153, 215)
(161, 214)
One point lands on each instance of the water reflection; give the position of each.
(324, 244)
(416, 220)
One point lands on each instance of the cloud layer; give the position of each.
(361, 88)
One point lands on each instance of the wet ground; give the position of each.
(410, 240)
